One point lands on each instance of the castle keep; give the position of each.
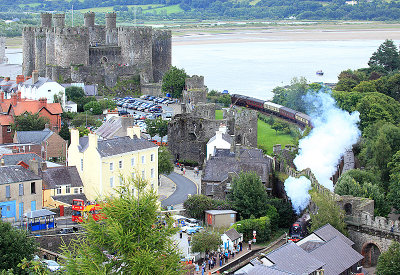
(94, 53)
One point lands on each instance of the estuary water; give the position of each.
(256, 68)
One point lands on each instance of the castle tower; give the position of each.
(111, 28)
(88, 19)
(49, 52)
(59, 20)
(46, 19)
(28, 49)
(136, 50)
(3, 58)
(162, 53)
(40, 50)
(71, 46)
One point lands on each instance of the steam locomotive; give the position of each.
(299, 228)
(272, 108)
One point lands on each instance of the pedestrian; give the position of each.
(392, 226)
(209, 264)
(202, 270)
(180, 234)
(220, 260)
(249, 244)
(233, 254)
(184, 170)
(240, 245)
(189, 239)
(197, 268)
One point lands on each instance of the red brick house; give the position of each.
(16, 106)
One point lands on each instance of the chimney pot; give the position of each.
(35, 76)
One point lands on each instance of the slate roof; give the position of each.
(109, 128)
(328, 232)
(35, 137)
(67, 199)
(220, 212)
(14, 159)
(7, 86)
(292, 258)
(39, 213)
(225, 137)
(89, 90)
(337, 255)
(233, 234)
(251, 153)
(16, 173)
(116, 146)
(311, 245)
(263, 270)
(64, 175)
(37, 84)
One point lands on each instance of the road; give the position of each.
(184, 186)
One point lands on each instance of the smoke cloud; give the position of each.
(297, 190)
(335, 130)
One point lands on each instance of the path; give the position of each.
(184, 187)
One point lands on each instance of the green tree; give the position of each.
(74, 93)
(64, 132)
(29, 122)
(132, 231)
(389, 261)
(81, 119)
(386, 56)
(346, 185)
(393, 195)
(195, 206)
(328, 211)
(286, 215)
(165, 164)
(94, 107)
(15, 245)
(158, 127)
(261, 225)
(206, 241)
(248, 195)
(278, 126)
(107, 104)
(174, 81)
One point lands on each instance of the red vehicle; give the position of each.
(79, 209)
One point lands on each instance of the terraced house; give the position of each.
(102, 164)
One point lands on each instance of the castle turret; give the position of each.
(40, 50)
(162, 53)
(49, 52)
(59, 20)
(111, 28)
(71, 46)
(46, 19)
(28, 56)
(89, 18)
(3, 58)
(136, 50)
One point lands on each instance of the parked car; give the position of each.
(53, 266)
(66, 231)
(123, 112)
(168, 115)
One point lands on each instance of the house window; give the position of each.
(120, 180)
(8, 129)
(21, 189)
(132, 161)
(111, 166)
(112, 182)
(120, 164)
(142, 159)
(152, 157)
(58, 190)
(152, 173)
(143, 174)
(8, 194)
(81, 164)
(76, 190)
(81, 190)
(33, 188)
(49, 91)
(68, 189)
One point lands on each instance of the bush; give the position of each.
(261, 225)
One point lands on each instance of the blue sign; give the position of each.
(168, 95)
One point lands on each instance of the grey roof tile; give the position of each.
(64, 175)
(39, 213)
(14, 159)
(263, 270)
(109, 128)
(233, 234)
(40, 82)
(35, 137)
(328, 232)
(337, 255)
(16, 173)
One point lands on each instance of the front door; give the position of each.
(33, 205)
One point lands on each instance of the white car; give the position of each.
(52, 265)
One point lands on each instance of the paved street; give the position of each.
(184, 186)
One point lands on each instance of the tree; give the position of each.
(81, 119)
(174, 81)
(248, 195)
(29, 122)
(389, 261)
(393, 195)
(132, 231)
(64, 132)
(15, 245)
(277, 126)
(107, 104)
(195, 206)
(165, 165)
(94, 107)
(328, 211)
(386, 56)
(262, 225)
(158, 127)
(346, 185)
(285, 211)
(206, 241)
(74, 93)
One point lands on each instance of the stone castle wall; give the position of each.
(242, 123)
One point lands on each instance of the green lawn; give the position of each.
(168, 10)
(145, 8)
(218, 114)
(267, 137)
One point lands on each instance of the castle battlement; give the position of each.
(72, 31)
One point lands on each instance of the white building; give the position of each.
(71, 106)
(231, 238)
(221, 140)
(42, 87)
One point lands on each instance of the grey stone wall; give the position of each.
(40, 50)
(162, 53)
(104, 54)
(97, 35)
(28, 50)
(206, 111)
(243, 122)
(46, 20)
(111, 20)
(71, 46)
(362, 237)
(88, 19)
(50, 59)
(59, 20)
(153, 89)
(194, 82)
(54, 242)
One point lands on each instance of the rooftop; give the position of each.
(16, 173)
(220, 212)
(14, 159)
(35, 137)
(63, 175)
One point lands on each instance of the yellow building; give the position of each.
(102, 164)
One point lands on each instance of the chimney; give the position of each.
(20, 78)
(42, 102)
(222, 128)
(2, 162)
(218, 135)
(7, 79)
(43, 166)
(74, 137)
(47, 126)
(133, 131)
(19, 96)
(13, 99)
(34, 166)
(2, 97)
(35, 76)
(93, 140)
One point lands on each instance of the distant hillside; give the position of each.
(382, 10)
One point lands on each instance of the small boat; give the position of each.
(320, 72)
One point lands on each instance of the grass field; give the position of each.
(145, 8)
(218, 114)
(267, 137)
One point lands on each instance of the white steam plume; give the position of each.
(334, 131)
(297, 191)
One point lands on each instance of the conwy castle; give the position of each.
(94, 53)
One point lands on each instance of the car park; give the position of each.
(123, 113)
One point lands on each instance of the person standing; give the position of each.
(240, 245)
(249, 244)
(184, 170)
(189, 239)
